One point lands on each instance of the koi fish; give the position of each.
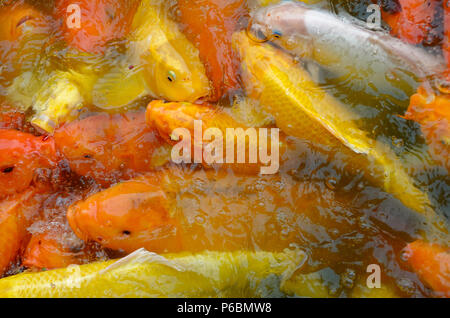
(433, 114)
(16, 213)
(109, 148)
(208, 274)
(159, 62)
(446, 42)
(55, 246)
(22, 32)
(303, 110)
(376, 62)
(178, 209)
(167, 117)
(99, 22)
(432, 263)
(414, 22)
(209, 24)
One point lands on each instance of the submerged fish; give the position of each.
(303, 110)
(145, 274)
(61, 99)
(111, 147)
(100, 21)
(54, 94)
(159, 62)
(54, 245)
(16, 213)
(446, 42)
(22, 32)
(432, 263)
(433, 114)
(413, 22)
(369, 60)
(210, 25)
(175, 209)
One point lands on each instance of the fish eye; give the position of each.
(171, 76)
(23, 20)
(276, 34)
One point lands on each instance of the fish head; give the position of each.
(176, 75)
(283, 24)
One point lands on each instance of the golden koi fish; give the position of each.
(145, 274)
(159, 61)
(304, 110)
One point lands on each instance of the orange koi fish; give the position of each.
(432, 263)
(167, 117)
(109, 147)
(178, 209)
(100, 22)
(433, 114)
(209, 24)
(16, 213)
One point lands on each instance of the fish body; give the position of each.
(60, 100)
(176, 209)
(414, 20)
(16, 213)
(432, 263)
(55, 96)
(43, 251)
(433, 114)
(303, 110)
(167, 117)
(144, 274)
(100, 22)
(22, 32)
(108, 147)
(446, 42)
(56, 247)
(159, 62)
(209, 24)
(369, 60)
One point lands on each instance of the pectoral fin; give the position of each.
(119, 87)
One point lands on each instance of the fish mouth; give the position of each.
(191, 95)
(199, 93)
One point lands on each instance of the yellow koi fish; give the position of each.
(304, 110)
(159, 62)
(145, 274)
